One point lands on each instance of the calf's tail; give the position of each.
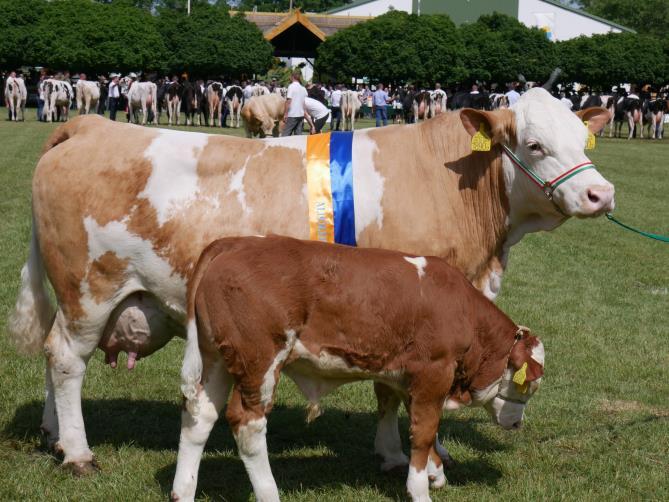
(191, 370)
(32, 317)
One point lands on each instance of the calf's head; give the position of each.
(550, 140)
(521, 378)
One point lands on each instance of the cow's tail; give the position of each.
(33, 314)
(191, 370)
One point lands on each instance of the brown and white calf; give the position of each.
(326, 315)
(350, 104)
(119, 240)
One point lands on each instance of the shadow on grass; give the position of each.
(336, 449)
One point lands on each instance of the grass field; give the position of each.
(597, 430)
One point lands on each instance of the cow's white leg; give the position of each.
(387, 443)
(67, 355)
(195, 429)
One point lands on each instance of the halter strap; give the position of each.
(548, 187)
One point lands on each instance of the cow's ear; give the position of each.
(498, 124)
(596, 117)
(521, 359)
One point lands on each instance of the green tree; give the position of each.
(650, 17)
(500, 48)
(17, 22)
(602, 61)
(211, 42)
(284, 5)
(85, 36)
(396, 47)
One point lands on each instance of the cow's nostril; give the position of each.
(593, 197)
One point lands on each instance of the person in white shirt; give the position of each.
(335, 100)
(248, 91)
(293, 115)
(512, 95)
(316, 114)
(114, 95)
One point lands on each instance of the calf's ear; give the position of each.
(525, 367)
(596, 117)
(499, 125)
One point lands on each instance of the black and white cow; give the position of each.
(234, 98)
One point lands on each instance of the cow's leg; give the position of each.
(387, 443)
(249, 427)
(67, 355)
(195, 428)
(49, 425)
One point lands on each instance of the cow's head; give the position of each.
(506, 400)
(550, 140)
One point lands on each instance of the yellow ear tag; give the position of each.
(481, 142)
(590, 145)
(520, 376)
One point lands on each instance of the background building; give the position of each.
(559, 21)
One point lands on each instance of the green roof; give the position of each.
(587, 14)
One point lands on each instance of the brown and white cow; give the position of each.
(262, 114)
(120, 241)
(327, 315)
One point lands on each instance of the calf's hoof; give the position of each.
(81, 469)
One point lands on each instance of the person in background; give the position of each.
(247, 90)
(114, 96)
(102, 102)
(40, 95)
(512, 94)
(316, 114)
(293, 115)
(335, 99)
(380, 100)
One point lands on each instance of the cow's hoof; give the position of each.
(397, 465)
(81, 469)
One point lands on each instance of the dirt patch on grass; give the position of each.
(619, 406)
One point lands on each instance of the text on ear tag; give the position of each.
(481, 142)
(590, 145)
(520, 376)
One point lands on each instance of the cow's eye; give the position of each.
(534, 147)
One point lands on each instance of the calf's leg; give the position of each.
(249, 426)
(424, 424)
(196, 424)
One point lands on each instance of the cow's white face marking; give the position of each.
(367, 184)
(551, 140)
(151, 272)
(418, 485)
(174, 181)
(419, 262)
(269, 380)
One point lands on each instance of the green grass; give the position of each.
(597, 430)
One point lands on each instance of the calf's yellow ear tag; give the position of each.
(590, 144)
(481, 142)
(519, 378)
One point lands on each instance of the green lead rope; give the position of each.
(657, 237)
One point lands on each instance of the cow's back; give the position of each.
(120, 207)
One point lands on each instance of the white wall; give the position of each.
(377, 8)
(564, 23)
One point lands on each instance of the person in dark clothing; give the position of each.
(114, 97)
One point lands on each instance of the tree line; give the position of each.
(398, 47)
(150, 35)
(130, 35)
